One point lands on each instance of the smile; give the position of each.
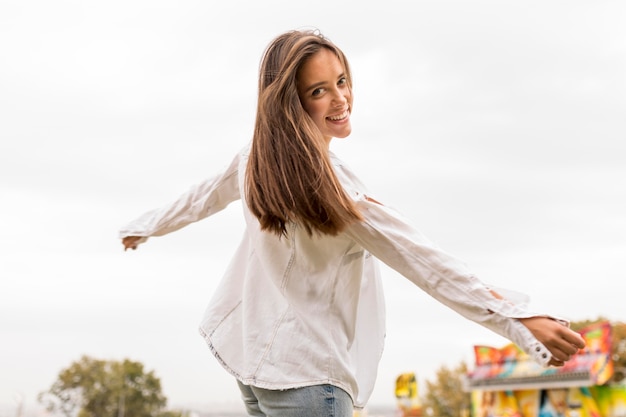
(339, 117)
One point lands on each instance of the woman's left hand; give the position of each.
(561, 341)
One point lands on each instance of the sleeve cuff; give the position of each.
(534, 348)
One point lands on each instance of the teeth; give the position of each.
(340, 116)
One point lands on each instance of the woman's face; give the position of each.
(325, 94)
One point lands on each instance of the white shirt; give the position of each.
(298, 311)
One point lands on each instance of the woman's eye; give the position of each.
(317, 92)
(342, 81)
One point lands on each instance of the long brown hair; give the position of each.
(289, 177)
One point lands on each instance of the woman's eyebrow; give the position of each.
(315, 85)
(321, 83)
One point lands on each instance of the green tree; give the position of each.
(445, 396)
(98, 388)
(618, 345)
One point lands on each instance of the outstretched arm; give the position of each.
(200, 201)
(393, 240)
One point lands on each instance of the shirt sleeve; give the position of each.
(199, 202)
(392, 239)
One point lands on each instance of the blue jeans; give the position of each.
(314, 401)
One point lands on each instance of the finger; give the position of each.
(560, 355)
(556, 362)
(571, 345)
(568, 348)
(577, 340)
(563, 350)
(571, 340)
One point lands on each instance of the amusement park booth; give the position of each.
(505, 382)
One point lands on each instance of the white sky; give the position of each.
(498, 127)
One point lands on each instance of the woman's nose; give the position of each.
(339, 98)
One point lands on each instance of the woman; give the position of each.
(298, 318)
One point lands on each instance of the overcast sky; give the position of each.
(497, 127)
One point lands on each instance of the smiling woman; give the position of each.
(325, 94)
(304, 82)
(299, 316)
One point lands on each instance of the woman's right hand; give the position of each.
(131, 242)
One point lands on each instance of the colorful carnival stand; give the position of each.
(505, 382)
